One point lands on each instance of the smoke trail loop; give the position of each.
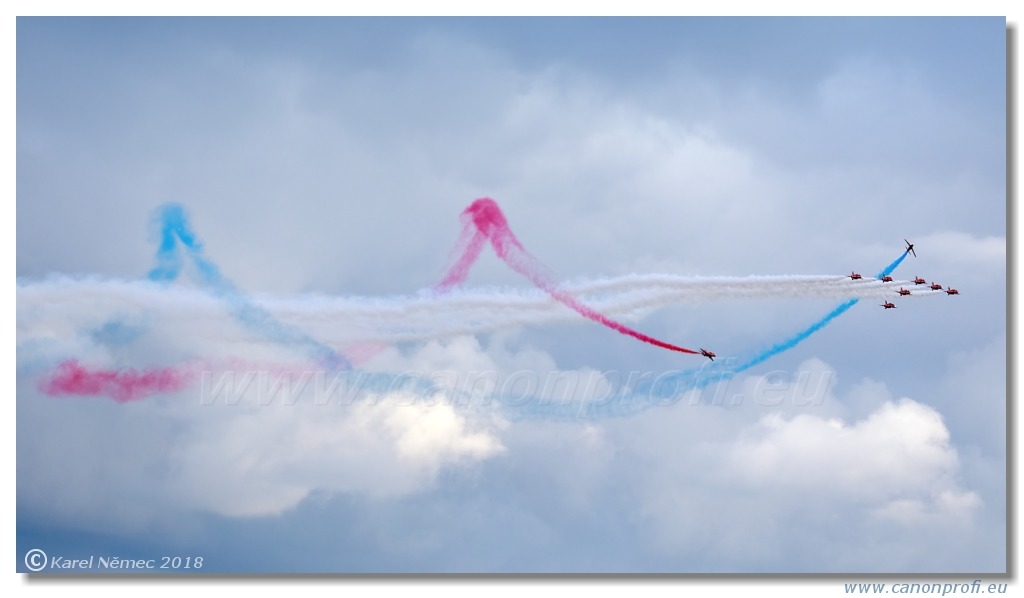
(490, 223)
(483, 222)
(174, 228)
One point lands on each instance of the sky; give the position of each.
(324, 164)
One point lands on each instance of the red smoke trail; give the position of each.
(483, 221)
(486, 217)
(121, 385)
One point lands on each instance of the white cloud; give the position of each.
(758, 486)
(901, 449)
(242, 454)
(947, 507)
(262, 460)
(957, 249)
(312, 174)
(737, 482)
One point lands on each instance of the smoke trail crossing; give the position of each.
(444, 311)
(490, 223)
(343, 320)
(175, 231)
(816, 326)
(702, 377)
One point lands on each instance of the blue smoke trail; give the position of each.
(797, 338)
(700, 378)
(175, 229)
(664, 390)
(891, 267)
(669, 387)
(803, 335)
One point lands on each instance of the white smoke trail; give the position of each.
(60, 305)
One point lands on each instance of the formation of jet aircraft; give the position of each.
(934, 286)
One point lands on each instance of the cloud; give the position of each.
(901, 448)
(262, 460)
(765, 487)
(314, 167)
(963, 251)
(250, 450)
(741, 478)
